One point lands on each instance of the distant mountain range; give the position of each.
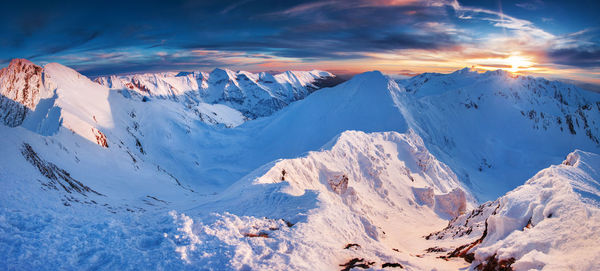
(254, 95)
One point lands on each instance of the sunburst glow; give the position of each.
(519, 63)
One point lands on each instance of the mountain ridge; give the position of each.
(255, 95)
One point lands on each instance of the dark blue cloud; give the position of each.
(100, 37)
(577, 57)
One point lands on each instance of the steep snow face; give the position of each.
(53, 96)
(495, 129)
(77, 104)
(366, 103)
(255, 95)
(551, 222)
(354, 199)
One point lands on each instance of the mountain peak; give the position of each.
(20, 62)
(21, 82)
(372, 76)
(465, 70)
(499, 72)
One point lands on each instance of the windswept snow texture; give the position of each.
(184, 171)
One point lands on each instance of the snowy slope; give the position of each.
(362, 189)
(366, 188)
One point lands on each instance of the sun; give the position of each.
(514, 62)
(518, 63)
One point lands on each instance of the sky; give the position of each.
(556, 39)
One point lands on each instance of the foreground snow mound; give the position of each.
(357, 199)
(496, 129)
(551, 222)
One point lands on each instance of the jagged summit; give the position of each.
(20, 62)
(219, 74)
(22, 82)
(465, 70)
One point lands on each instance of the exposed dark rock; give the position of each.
(435, 249)
(356, 262)
(569, 121)
(348, 246)
(260, 234)
(339, 183)
(287, 223)
(529, 224)
(100, 138)
(56, 175)
(386, 265)
(328, 82)
(493, 264)
(12, 113)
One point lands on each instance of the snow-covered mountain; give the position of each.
(495, 129)
(254, 95)
(364, 174)
(20, 87)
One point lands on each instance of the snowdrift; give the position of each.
(551, 222)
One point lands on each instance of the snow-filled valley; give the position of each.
(236, 170)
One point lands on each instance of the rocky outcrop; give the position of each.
(57, 177)
(12, 113)
(22, 82)
(100, 138)
(20, 88)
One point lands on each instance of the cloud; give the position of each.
(344, 5)
(531, 5)
(500, 19)
(577, 57)
(253, 34)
